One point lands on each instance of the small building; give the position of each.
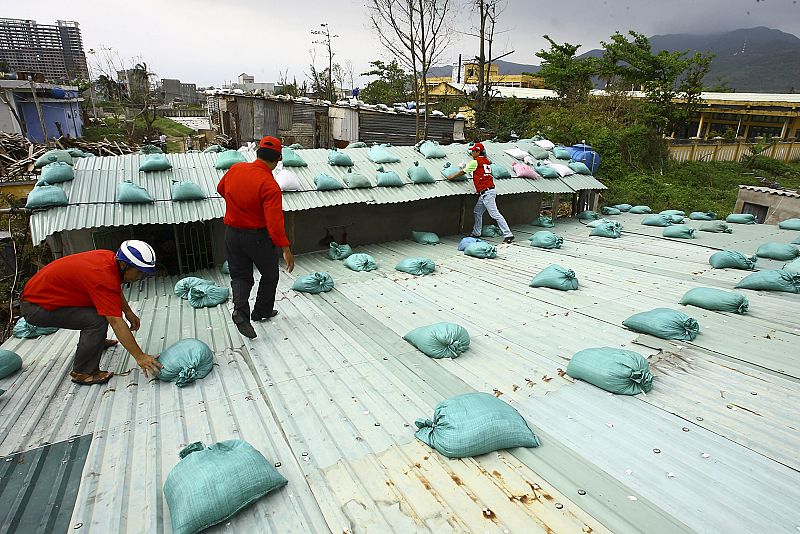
(468, 74)
(767, 204)
(28, 107)
(177, 91)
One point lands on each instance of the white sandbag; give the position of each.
(287, 180)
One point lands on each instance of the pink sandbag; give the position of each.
(524, 171)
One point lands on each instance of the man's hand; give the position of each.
(134, 321)
(288, 258)
(149, 364)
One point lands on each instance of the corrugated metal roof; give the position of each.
(330, 390)
(782, 192)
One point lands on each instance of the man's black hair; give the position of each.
(267, 154)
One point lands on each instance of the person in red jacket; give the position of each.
(82, 292)
(481, 169)
(254, 233)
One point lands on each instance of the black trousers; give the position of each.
(244, 249)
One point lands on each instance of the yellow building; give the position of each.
(469, 75)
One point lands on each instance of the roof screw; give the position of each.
(277, 464)
(9, 459)
(581, 492)
(685, 429)
(699, 418)
(77, 526)
(305, 454)
(657, 451)
(753, 393)
(559, 505)
(377, 424)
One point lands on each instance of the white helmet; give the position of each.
(138, 254)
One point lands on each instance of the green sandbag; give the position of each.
(449, 170)
(673, 212)
(388, 179)
(500, 172)
(155, 162)
(713, 299)
(131, 193)
(679, 232)
(339, 159)
(778, 251)
(317, 282)
(354, 180)
(326, 182)
(588, 215)
(491, 230)
(208, 295)
(56, 173)
(425, 238)
(581, 168)
(538, 152)
(185, 361)
(640, 210)
(601, 222)
(473, 424)
(186, 190)
(702, 216)
(657, 220)
(546, 239)
(416, 266)
(214, 149)
(432, 150)
(776, 280)
(381, 154)
(357, 144)
(741, 218)
(296, 146)
(183, 285)
(546, 171)
(290, 158)
(716, 227)
(77, 153)
(52, 156)
(209, 486)
(796, 241)
(227, 159)
(419, 175)
(623, 207)
(556, 277)
(46, 196)
(676, 219)
(793, 266)
(543, 221)
(24, 330)
(619, 371)
(609, 210)
(481, 249)
(608, 229)
(10, 363)
(224, 269)
(731, 259)
(789, 224)
(467, 241)
(150, 149)
(664, 323)
(339, 252)
(360, 262)
(440, 340)
(561, 153)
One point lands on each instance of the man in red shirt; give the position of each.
(82, 292)
(254, 232)
(481, 169)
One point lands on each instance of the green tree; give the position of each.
(392, 85)
(564, 73)
(505, 117)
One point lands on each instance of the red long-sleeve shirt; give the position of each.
(253, 200)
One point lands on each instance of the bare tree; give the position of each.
(326, 37)
(488, 12)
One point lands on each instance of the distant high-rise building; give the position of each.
(55, 51)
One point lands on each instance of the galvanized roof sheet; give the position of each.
(330, 390)
(783, 192)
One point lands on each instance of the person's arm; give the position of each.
(147, 362)
(132, 318)
(273, 214)
(470, 167)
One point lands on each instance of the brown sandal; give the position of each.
(98, 377)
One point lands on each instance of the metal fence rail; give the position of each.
(722, 151)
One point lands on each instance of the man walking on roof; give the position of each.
(82, 292)
(481, 169)
(254, 233)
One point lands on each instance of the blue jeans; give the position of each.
(487, 201)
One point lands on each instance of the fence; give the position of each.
(198, 112)
(722, 151)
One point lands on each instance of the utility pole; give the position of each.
(39, 112)
(326, 33)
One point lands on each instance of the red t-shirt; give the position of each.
(85, 280)
(482, 176)
(253, 200)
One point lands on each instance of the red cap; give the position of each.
(270, 142)
(477, 146)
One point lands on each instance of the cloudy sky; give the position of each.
(211, 42)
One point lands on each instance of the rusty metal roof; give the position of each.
(782, 192)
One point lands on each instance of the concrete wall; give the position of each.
(779, 207)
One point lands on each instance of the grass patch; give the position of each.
(170, 127)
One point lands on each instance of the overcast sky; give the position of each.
(210, 42)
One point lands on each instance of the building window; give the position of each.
(757, 210)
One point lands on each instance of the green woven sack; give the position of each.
(325, 182)
(640, 210)
(208, 295)
(209, 486)
(354, 180)
(24, 330)
(425, 238)
(664, 323)
(608, 229)
(581, 168)
(52, 156)
(77, 153)
(543, 221)
(609, 210)
(789, 224)
(741, 218)
(776, 280)
(46, 196)
(796, 241)
(792, 266)
(556, 277)
(546, 239)
(657, 220)
(185, 361)
(673, 212)
(440, 340)
(183, 285)
(131, 193)
(619, 371)
(150, 149)
(588, 215)
(539, 153)
(481, 249)
(227, 159)
(448, 171)
(432, 150)
(224, 269)
(561, 153)
(715, 227)
(702, 216)
(500, 172)
(316, 282)
(679, 232)
(546, 171)
(56, 173)
(623, 207)
(339, 159)
(10, 363)
(360, 262)
(416, 266)
(155, 162)
(778, 251)
(601, 222)
(290, 158)
(388, 179)
(730, 259)
(357, 144)
(491, 230)
(676, 219)
(713, 299)
(419, 175)
(186, 190)
(474, 424)
(339, 252)
(381, 154)
(296, 146)
(214, 149)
